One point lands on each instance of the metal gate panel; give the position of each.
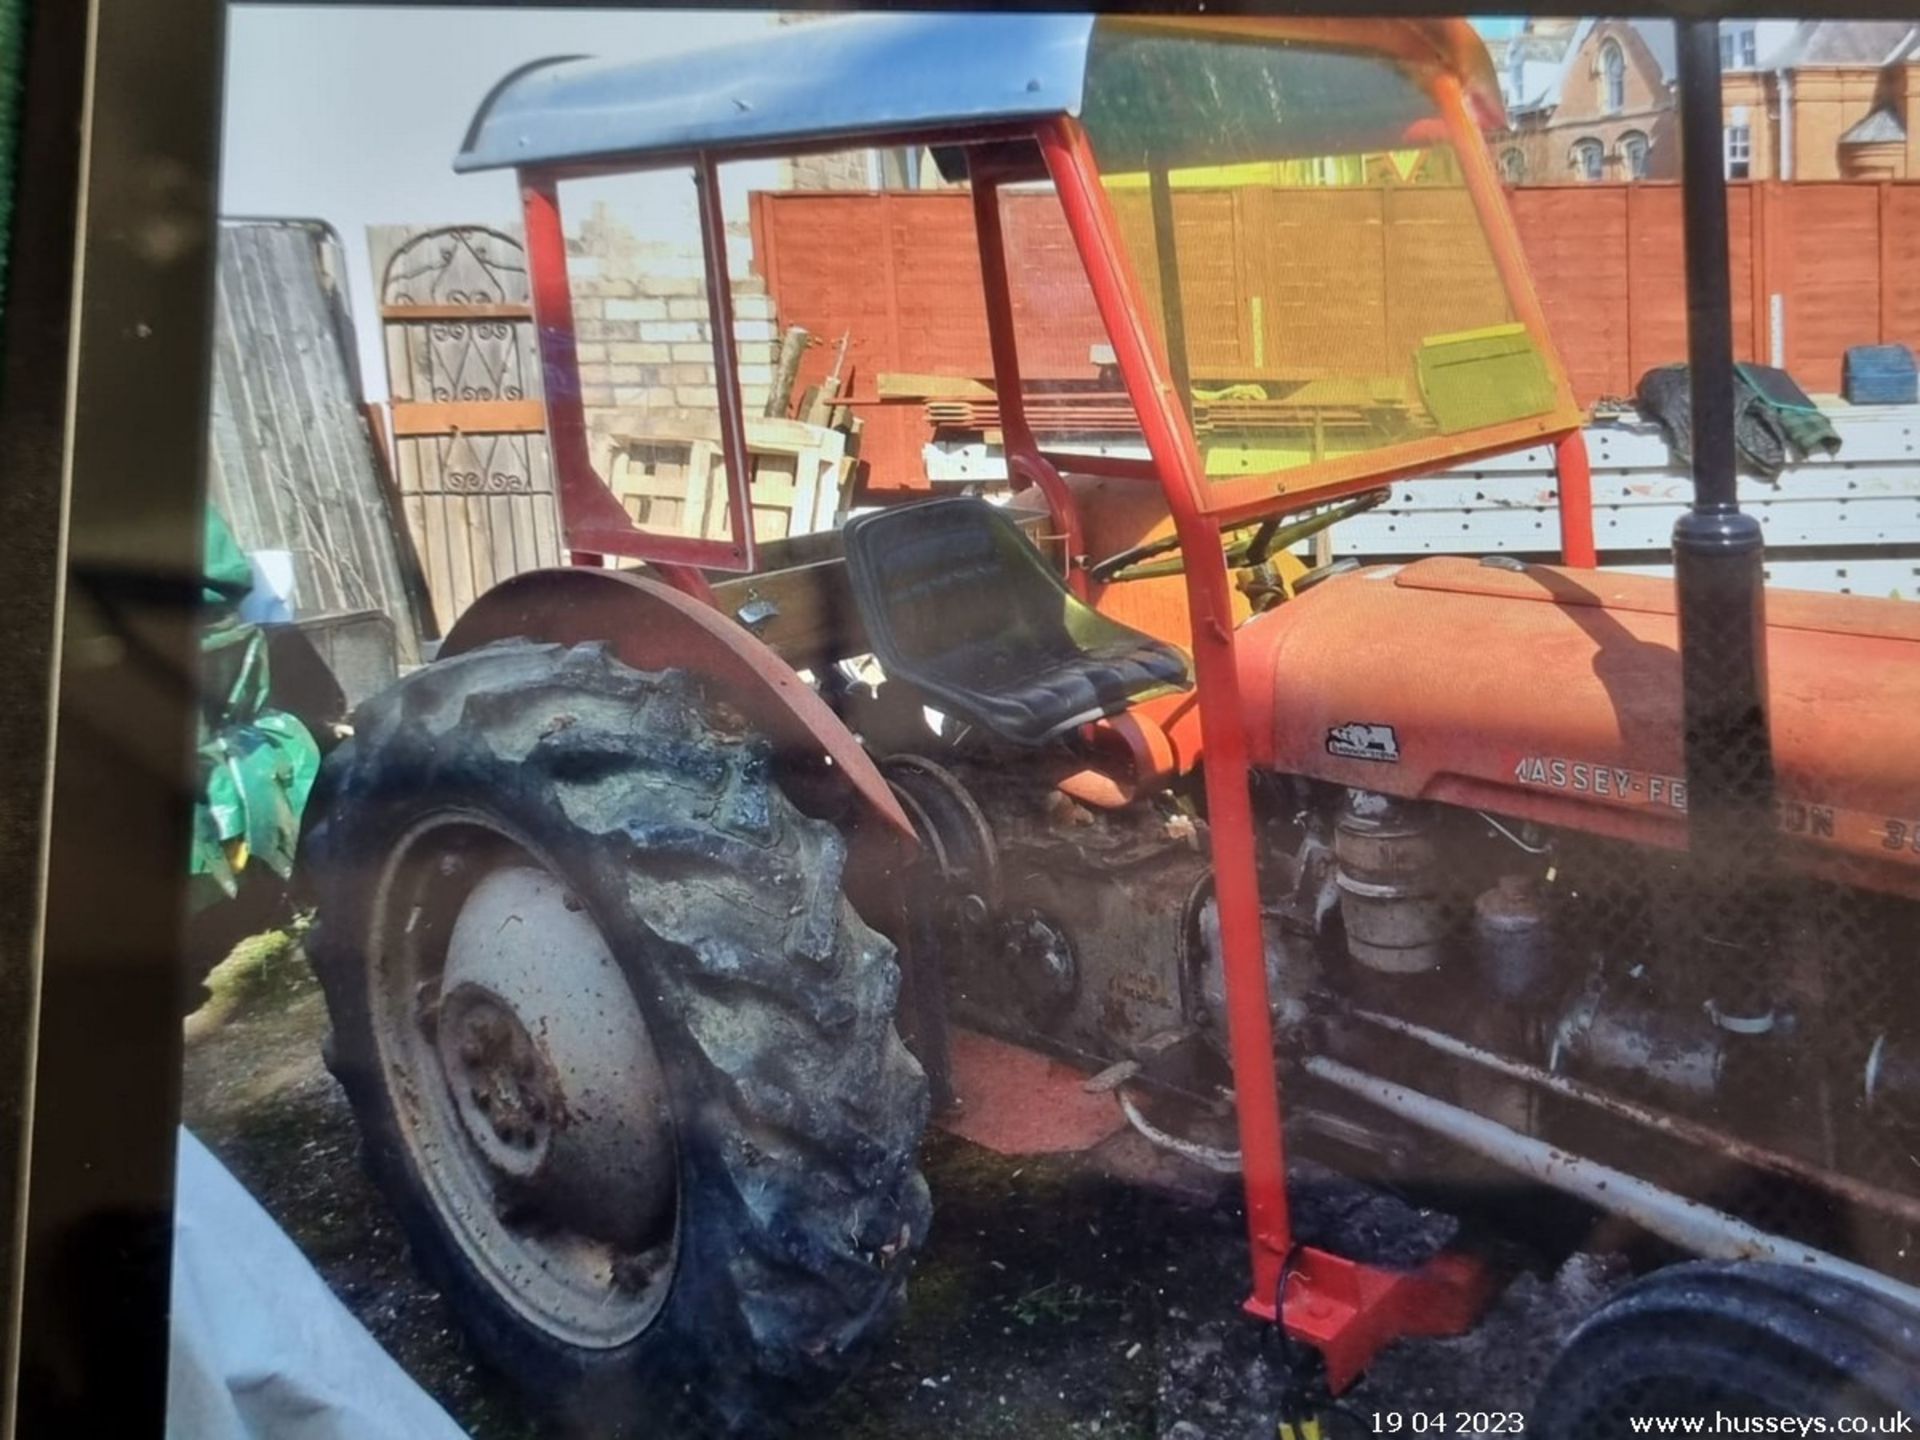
(469, 427)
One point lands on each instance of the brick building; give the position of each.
(1593, 101)
(1804, 100)
(1830, 100)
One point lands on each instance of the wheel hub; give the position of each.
(550, 1067)
(505, 1091)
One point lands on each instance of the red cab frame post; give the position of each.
(1347, 1311)
(592, 522)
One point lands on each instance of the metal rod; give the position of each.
(1008, 385)
(1720, 597)
(1173, 307)
(1680, 1128)
(1709, 285)
(1574, 487)
(726, 358)
(1686, 1223)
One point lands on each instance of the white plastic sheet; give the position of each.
(261, 1348)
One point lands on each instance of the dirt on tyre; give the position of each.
(622, 1054)
(1769, 1348)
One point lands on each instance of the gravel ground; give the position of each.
(1050, 1301)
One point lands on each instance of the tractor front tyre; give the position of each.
(1773, 1348)
(621, 1052)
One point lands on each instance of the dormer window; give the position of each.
(1738, 46)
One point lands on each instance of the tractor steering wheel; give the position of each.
(1243, 550)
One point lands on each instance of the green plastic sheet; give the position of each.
(256, 764)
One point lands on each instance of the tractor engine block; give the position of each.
(1550, 980)
(1063, 921)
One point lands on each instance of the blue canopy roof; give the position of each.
(835, 79)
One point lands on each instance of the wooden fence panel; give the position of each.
(1576, 243)
(1054, 316)
(291, 464)
(1824, 258)
(1340, 277)
(1900, 263)
(1319, 268)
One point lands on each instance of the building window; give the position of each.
(1589, 159)
(1738, 47)
(1513, 166)
(1739, 151)
(1613, 73)
(1633, 155)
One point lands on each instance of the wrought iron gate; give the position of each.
(469, 427)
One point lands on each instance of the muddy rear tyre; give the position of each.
(1764, 1343)
(795, 1111)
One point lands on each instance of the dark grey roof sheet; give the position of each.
(853, 77)
(1843, 42)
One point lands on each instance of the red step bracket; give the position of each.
(1349, 1312)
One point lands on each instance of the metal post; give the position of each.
(1717, 554)
(1173, 308)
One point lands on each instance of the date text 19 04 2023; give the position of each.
(1449, 1422)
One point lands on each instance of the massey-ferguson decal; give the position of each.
(1608, 781)
(1859, 831)
(1358, 741)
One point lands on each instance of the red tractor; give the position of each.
(662, 911)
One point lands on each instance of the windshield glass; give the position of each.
(1310, 254)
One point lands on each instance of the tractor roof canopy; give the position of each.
(1298, 208)
(891, 75)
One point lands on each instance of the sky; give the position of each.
(352, 115)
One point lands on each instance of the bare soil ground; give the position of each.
(1049, 1302)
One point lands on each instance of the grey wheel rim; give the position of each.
(525, 1084)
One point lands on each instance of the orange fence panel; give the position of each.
(1817, 266)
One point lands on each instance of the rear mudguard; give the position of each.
(652, 626)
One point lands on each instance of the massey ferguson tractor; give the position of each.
(661, 913)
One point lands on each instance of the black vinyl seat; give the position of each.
(959, 604)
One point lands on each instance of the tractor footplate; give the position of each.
(1016, 1101)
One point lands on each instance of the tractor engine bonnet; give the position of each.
(1553, 695)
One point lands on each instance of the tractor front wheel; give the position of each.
(1770, 1346)
(622, 1053)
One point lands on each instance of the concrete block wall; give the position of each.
(645, 335)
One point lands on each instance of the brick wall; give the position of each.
(646, 342)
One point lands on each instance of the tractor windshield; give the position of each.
(1313, 260)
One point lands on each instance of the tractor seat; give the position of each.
(959, 604)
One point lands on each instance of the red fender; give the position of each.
(652, 626)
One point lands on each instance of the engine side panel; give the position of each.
(1554, 695)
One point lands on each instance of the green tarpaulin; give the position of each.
(256, 763)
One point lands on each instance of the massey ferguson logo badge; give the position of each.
(1364, 742)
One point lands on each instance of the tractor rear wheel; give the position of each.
(1761, 1342)
(622, 1054)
